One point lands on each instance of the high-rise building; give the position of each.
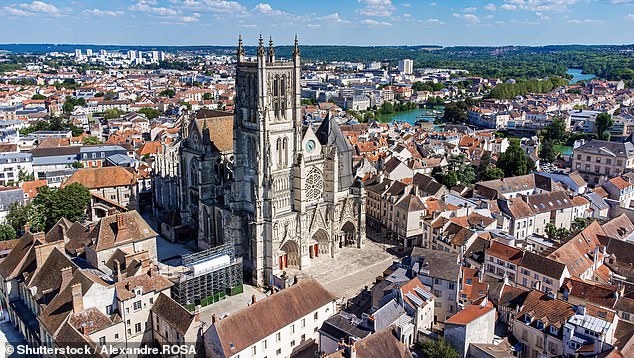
(77, 53)
(406, 66)
(103, 53)
(132, 54)
(88, 52)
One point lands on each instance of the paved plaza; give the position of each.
(350, 270)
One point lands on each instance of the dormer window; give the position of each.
(539, 324)
(527, 318)
(554, 330)
(138, 291)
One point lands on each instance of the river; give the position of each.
(578, 76)
(411, 116)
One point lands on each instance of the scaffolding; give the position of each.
(209, 275)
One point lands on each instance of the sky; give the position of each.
(336, 22)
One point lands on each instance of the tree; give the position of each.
(7, 232)
(24, 176)
(555, 233)
(69, 202)
(208, 96)
(604, 122)
(515, 161)
(439, 349)
(556, 131)
(547, 151)
(386, 108)
(77, 165)
(90, 140)
(580, 223)
(455, 112)
(168, 93)
(150, 113)
(112, 113)
(450, 179)
(492, 172)
(38, 96)
(19, 215)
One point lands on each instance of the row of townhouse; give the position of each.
(526, 215)
(94, 286)
(401, 208)
(524, 268)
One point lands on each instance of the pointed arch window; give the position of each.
(285, 150)
(279, 152)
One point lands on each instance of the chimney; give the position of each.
(213, 319)
(78, 300)
(39, 236)
(27, 227)
(273, 289)
(43, 251)
(122, 228)
(117, 271)
(112, 211)
(67, 274)
(253, 299)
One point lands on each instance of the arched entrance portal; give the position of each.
(289, 256)
(348, 234)
(321, 244)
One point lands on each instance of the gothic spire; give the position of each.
(240, 47)
(271, 50)
(296, 48)
(261, 47)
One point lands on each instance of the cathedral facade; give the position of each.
(283, 193)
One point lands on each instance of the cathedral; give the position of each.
(283, 193)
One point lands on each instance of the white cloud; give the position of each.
(376, 7)
(405, 4)
(433, 3)
(630, 17)
(539, 5)
(584, 21)
(468, 18)
(16, 12)
(470, 9)
(42, 7)
(144, 6)
(334, 17)
(99, 12)
(431, 21)
(35, 8)
(195, 17)
(490, 7)
(375, 23)
(218, 6)
(268, 10)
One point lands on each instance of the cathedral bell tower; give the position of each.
(267, 128)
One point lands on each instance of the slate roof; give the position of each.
(106, 234)
(173, 313)
(8, 197)
(542, 265)
(382, 344)
(443, 265)
(252, 324)
(329, 133)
